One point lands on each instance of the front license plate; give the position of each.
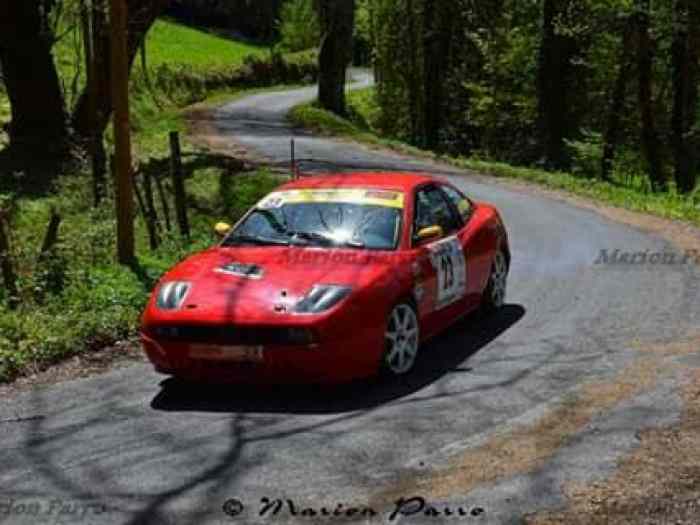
(241, 354)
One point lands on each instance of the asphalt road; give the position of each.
(143, 450)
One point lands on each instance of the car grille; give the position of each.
(235, 335)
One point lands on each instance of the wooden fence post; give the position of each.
(151, 214)
(139, 198)
(122, 134)
(163, 202)
(51, 235)
(292, 155)
(178, 184)
(8, 272)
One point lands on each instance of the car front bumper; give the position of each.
(334, 360)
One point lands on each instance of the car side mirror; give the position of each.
(431, 232)
(222, 229)
(464, 207)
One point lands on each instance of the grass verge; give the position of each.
(79, 300)
(168, 42)
(359, 126)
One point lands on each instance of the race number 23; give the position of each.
(448, 260)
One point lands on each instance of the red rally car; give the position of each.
(328, 279)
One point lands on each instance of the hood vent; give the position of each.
(249, 271)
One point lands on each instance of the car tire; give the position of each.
(495, 293)
(402, 340)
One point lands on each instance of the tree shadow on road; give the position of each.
(104, 455)
(442, 356)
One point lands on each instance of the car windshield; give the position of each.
(371, 221)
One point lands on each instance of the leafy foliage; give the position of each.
(299, 26)
(97, 302)
(629, 188)
(78, 299)
(474, 68)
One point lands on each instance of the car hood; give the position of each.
(254, 280)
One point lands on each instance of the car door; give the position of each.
(471, 243)
(441, 276)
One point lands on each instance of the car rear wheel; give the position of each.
(402, 338)
(495, 293)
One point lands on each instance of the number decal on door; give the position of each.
(447, 268)
(448, 260)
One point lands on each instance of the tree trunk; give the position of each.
(430, 75)
(39, 118)
(413, 75)
(91, 21)
(617, 101)
(141, 16)
(553, 84)
(650, 139)
(685, 78)
(447, 23)
(6, 267)
(337, 19)
(376, 70)
(693, 94)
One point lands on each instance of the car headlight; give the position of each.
(321, 298)
(172, 294)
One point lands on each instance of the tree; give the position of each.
(39, 116)
(554, 76)
(437, 26)
(684, 53)
(617, 100)
(650, 139)
(141, 16)
(412, 73)
(337, 22)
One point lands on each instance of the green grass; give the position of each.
(360, 126)
(172, 43)
(167, 44)
(79, 299)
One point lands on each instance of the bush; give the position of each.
(79, 299)
(586, 154)
(630, 169)
(298, 26)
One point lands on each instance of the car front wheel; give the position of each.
(495, 293)
(401, 340)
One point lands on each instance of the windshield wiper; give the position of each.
(312, 236)
(242, 238)
(326, 239)
(354, 243)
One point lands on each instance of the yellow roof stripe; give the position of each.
(376, 197)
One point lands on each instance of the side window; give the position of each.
(461, 203)
(433, 210)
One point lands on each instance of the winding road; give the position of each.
(141, 449)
